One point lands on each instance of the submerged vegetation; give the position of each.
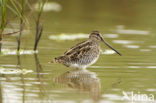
(18, 8)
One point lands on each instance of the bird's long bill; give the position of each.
(110, 46)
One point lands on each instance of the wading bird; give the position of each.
(83, 54)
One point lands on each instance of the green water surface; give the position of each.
(133, 24)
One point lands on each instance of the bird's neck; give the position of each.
(95, 40)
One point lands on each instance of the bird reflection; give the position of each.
(83, 80)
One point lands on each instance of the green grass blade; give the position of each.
(16, 8)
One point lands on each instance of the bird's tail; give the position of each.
(56, 60)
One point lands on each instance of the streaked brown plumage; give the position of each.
(83, 54)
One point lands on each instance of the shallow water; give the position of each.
(29, 78)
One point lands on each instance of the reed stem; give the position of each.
(21, 24)
(3, 9)
(39, 26)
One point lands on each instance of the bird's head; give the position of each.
(96, 35)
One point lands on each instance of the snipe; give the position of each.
(83, 54)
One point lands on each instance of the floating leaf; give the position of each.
(15, 52)
(132, 46)
(121, 30)
(110, 35)
(14, 71)
(152, 46)
(25, 71)
(108, 52)
(64, 36)
(123, 41)
(50, 6)
(145, 50)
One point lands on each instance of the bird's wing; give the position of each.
(79, 50)
(76, 47)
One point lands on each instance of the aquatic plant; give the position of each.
(15, 52)
(14, 71)
(3, 9)
(39, 25)
(19, 8)
(21, 24)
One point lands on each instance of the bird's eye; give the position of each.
(97, 34)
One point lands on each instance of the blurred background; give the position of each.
(127, 25)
